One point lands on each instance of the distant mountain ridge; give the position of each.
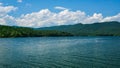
(96, 29)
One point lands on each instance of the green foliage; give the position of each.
(96, 29)
(11, 31)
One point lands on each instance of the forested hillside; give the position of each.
(96, 29)
(13, 31)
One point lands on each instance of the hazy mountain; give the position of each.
(96, 29)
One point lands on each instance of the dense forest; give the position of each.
(97, 29)
(13, 31)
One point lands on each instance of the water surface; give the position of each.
(60, 52)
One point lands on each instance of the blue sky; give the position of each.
(107, 8)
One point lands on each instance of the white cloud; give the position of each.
(7, 9)
(60, 8)
(20, 1)
(92, 19)
(112, 18)
(5, 19)
(45, 17)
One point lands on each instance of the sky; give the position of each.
(45, 13)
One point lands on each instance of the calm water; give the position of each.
(60, 52)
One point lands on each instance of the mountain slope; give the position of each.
(96, 29)
(14, 31)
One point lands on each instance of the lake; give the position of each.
(60, 52)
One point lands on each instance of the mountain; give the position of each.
(14, 31)
(97, 29)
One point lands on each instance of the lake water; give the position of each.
(60, 52)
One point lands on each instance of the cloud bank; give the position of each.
(6, 19)
(46, 18)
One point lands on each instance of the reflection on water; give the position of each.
(60, 52)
